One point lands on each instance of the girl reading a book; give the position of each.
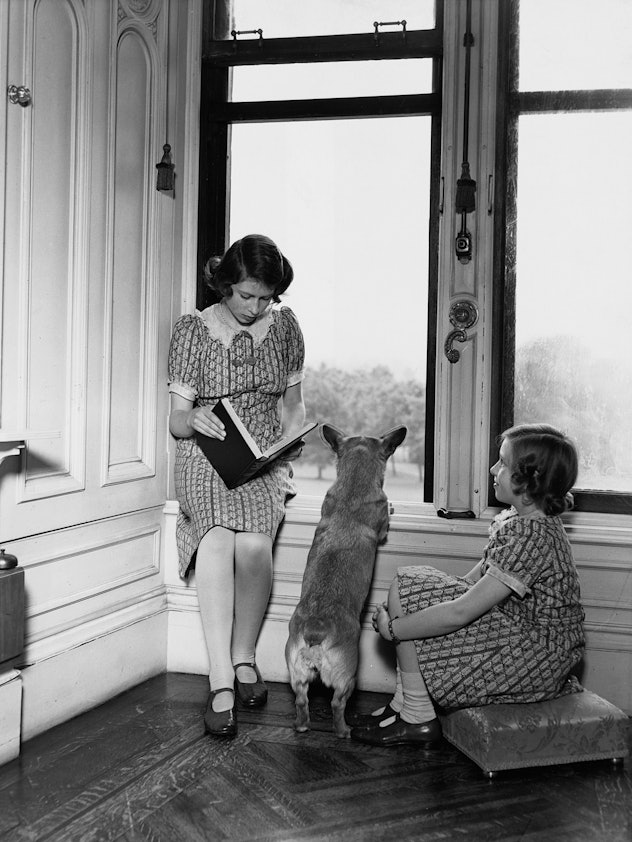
(245, 349)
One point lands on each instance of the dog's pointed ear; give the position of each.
(332, 436)
(392, 439)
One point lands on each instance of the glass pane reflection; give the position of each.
(293, 18)
(332, 79)
(574, 297)
(347, 201)
(575, 44)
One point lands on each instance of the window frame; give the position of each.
(511, 104)
(218, 113)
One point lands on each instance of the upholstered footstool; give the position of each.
(573, 728)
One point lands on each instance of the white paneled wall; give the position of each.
(93, 264)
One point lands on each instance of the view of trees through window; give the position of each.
(348, 203)
(573, 290)
(358, 242)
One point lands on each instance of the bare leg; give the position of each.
(215, 581)
(253, 584)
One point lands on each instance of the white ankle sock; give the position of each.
(397, 702)
(417, 707)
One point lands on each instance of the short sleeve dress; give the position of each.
(525, 648)
(253, 367)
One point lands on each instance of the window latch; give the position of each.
(236, 32)
(463, 314)
(376, 25)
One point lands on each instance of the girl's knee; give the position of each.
(252, 548)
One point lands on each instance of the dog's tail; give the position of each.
(311, 655)
(314, 631)
(311, 661)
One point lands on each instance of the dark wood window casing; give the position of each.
(218, 113)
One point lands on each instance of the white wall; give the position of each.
(95, 263)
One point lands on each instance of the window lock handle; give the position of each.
(463, 314)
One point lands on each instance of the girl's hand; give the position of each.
(294, 453)
(380, 621)
(202, 419)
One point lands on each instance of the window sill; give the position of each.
(422, 518)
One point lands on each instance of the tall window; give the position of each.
(567, 275)
(330, 128)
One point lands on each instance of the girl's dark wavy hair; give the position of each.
(544, 466)
(254, 257)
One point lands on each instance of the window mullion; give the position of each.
(313, 109)
(542, 102)
(360, 47)
(463, 388)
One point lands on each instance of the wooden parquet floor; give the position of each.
(141, 768)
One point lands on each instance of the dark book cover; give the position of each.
(237, 458)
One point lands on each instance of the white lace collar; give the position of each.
(220, 330)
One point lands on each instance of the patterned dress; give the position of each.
(253, 367)
(524, 648)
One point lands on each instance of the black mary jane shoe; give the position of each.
(369, 720)
(251, 694)
(222, 723)
(400, 733)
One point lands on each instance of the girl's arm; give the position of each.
(185, 419)
(293, 416)
(445, 617)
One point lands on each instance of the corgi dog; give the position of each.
(324, 630)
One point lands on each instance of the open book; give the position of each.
(237, 458)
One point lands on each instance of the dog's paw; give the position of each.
(343, 733)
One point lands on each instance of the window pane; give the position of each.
(352, 218)
(332, 79)
(575, 44)
(574, 296)
(291, 18)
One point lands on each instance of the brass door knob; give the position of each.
(19, 95)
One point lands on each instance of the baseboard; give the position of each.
(77, 679)
(10, 714)
(187, 649)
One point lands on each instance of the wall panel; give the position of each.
(86, 313)
(132, 283)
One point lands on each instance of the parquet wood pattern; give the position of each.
(141, 768)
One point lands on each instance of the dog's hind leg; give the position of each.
(338, 707)
(301, 723)
(302, 671)
(338, 670)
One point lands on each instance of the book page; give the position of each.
(287, 443)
